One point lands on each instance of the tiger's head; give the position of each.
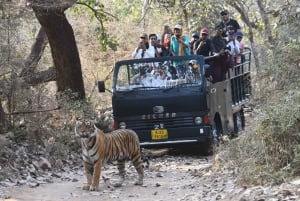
(85, 128)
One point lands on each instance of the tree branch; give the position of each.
(95, 11)
(36, 53)
(40, 77)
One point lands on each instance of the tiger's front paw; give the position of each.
(93, 188)
(139, 182)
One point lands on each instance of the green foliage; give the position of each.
(96, 10)
(125, 9)
(105, 40)
(203, 14)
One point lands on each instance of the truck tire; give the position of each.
(218, 125)
(206, 148)
(238, 121)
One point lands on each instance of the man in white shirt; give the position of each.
(234, 45)
(154, 43)
(143, 50)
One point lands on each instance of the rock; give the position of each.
(74, 180)
(44, 164)
(33, 185)
(295, 182)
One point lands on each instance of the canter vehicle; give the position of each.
(168, 100)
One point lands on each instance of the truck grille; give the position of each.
(177, 122)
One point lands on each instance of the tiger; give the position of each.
(99, 147)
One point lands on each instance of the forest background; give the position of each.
(81, 40)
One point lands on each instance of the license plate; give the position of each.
(159, 134)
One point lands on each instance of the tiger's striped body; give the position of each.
(97, 148)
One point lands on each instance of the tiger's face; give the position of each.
(85, 128)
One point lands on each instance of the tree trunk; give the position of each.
(63, 48)
(239, 6)
(265, 18)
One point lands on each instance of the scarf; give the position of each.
(181, 48)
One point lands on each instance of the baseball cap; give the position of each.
(195, 35)
(239, 34)
(218, 26)
(204, 31)
(143, 35)
(178, 26)
(224, 12)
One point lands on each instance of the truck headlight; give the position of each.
(198, 120)
(122, 125)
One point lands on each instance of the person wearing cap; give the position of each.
(204, 45)
(143, 50)
(228, 23)
(179, 46)
(179, 43)
(195, 37)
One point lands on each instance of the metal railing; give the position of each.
(240, 79)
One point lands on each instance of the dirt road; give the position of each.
(166, 178)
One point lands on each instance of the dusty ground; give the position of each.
(169, 177)
(166, 178)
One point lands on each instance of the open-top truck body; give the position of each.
(169, 101)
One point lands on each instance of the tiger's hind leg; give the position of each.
(121, 168)
(138, 164)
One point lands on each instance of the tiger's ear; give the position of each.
(78, 118)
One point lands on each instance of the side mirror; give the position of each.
(101, 86)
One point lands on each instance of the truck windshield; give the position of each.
(145, 74)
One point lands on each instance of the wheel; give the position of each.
(204, 148)
(238, 121)
(218, 125)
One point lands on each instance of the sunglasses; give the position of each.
(152, 38)
(223, 14)
(142, 38)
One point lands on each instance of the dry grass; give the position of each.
(269, 151)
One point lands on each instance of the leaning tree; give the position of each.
(51, 16)
(58, 33)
